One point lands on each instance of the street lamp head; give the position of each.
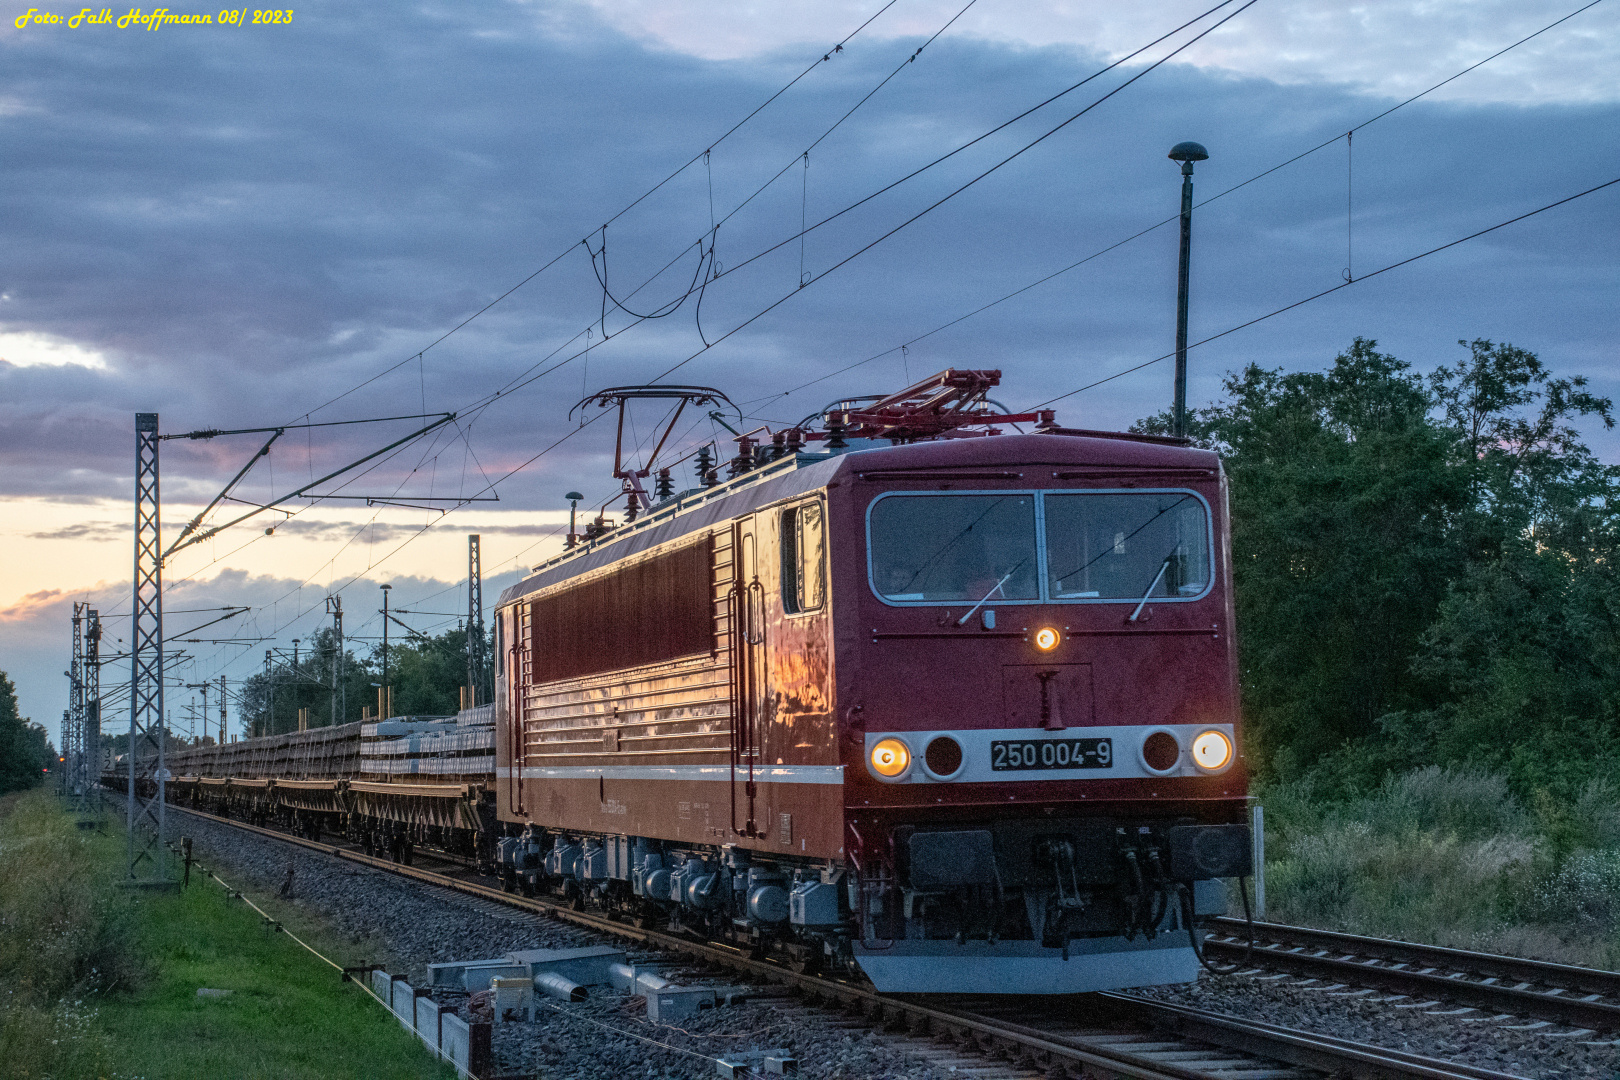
(1187, 153)
(385, 588)
(573, 496)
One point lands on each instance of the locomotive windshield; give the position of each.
(1126, 546)
(1105, 546)
(955, 547)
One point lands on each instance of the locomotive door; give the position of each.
(750, 670)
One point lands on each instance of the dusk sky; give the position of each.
(251, 225)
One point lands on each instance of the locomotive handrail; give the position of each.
(515, 721)
(734, 669)
(744, 682)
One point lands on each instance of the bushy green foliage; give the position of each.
(24, 749)
(63, 920)
(64, 942)
(427, 674)
(1448, 856)
(1425, 571)
(1584, 892)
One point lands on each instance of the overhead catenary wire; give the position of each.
(920, 170)
(1335, 288)
(415, 535)
(803, 155)
(708, 267)
(570, 433)
(705, 280)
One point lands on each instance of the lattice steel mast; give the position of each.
(72, 773)
(91, 801)
(146, 774)
(476, 662)
(334, 608)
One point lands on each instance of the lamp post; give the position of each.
(573, 498)
(1186, 153)
(385, 589)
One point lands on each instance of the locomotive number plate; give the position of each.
(1006, 755)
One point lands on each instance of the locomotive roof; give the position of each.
(703, 508)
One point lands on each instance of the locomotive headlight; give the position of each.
(890, 758)
(1212, 750)
(1047, 638)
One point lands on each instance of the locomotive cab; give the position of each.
(1039, 697)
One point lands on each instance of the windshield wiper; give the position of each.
(1156, 578)
(988, 595)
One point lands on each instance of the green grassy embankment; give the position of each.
(1451, 857)
(99, 981)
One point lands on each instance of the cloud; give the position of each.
(1386, 47)
(33, 605)
(96, 531)
(31, 350)
(382, 531)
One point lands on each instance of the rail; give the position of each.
(1556, 993)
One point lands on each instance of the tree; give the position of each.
(1525, 650)
(270, 703)
(1343, 501)
(427, 674)
(1425, 569)
(24, 749)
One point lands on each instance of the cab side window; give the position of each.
(804, 558)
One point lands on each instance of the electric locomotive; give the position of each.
(905, 693)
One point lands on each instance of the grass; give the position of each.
(106, 985)
(1450, 857)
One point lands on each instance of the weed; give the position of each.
(94, 978)
(64, 924)
(1449, 856)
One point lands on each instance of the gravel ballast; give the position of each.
(407, 926)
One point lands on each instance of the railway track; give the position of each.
(1094, 1036)
(1481, 985)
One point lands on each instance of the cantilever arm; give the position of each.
(206, 533)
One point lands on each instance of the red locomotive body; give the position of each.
(960, 712)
